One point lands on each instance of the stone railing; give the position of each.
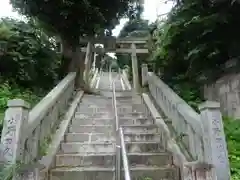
(27, 134)
(200, 135)
(185, 121)
(187, 170)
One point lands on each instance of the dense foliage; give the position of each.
(135, 28)
(88, 17)
(232, 131)
(30, 59)
(29, 65)
(197, 38)
(71, 20)
(189, 49)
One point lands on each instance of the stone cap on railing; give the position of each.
(40, 110)
(189, 114)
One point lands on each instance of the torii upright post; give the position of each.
(94, 61)
(136, 85)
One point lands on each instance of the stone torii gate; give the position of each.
(131, 46)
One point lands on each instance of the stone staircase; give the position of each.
(87, 150)
(146, 156)
(87, 139)
(72, 135)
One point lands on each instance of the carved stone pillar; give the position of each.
(16, 116)
(215, 148)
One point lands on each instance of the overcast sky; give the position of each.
(151, 9)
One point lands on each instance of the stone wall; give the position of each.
(226, 90)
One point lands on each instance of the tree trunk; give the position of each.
(76, 63)
(67, 49)
(80, 67)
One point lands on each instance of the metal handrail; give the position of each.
(115, 106)
(124, 156)
(120, 144)
(116, 129)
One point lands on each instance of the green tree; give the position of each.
(72, 19)
(190, 48)
(29, 65)
(135, 28)
(30, 59)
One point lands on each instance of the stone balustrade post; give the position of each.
(144, 74)
(16, 117)
(215, 148)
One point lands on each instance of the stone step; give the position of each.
(94, 105)
(73, 160)
(86, 121)
(128, 116)
(125, 110)
(82, 173)
(143, 147)
(100, 173)
(100, 106)
(84, 137)
(135, 104)
(95, 102)
(94, 98)
(86, 110)
(132, 97)
(77, 147)
(142, 137)
(152, 159)
(133, 107)
(91, 129)
(97, 99)
(93, 115)
(78, 113)
(123, 104)
(135, 121)
(152, 128)
(153, 173)
(134, 114)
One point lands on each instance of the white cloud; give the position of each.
(6, 10)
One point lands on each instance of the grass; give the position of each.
(9, 91)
